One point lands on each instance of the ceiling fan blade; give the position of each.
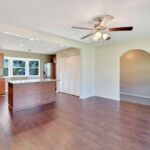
(84, 28)
(105, 20)
(86, 36)
(121, 29)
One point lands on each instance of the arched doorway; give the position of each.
(135, 76)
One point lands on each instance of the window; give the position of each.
(18, 68)
(15, 67)
(33, 68)
(6, 67)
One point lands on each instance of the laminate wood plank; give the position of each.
(74, 124)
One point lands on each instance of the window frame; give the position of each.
(7, 67)
(36, 68)
(10, 67)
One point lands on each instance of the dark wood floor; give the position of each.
(73, 124)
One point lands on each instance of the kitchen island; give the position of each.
(23, 94)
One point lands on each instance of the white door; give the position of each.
(69, 72)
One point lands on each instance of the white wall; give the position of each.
(107, 66)
(88, 72)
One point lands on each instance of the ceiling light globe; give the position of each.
(105, 36)
(98, 35)
(95, 38)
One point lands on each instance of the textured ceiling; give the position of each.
(58, 16)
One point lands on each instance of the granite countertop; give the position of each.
(31, 81)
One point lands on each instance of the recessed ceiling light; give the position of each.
(21, 45)
(49, 49)
(5, 32)
(13, 34)
(61, 45)
(31, 39)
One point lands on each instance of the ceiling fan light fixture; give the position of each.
(106, 36)
(100, 29)
(98, 35)
(95, 38)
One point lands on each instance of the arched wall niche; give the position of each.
(132, 50)
(135, 73)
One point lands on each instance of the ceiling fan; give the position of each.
(101, 29)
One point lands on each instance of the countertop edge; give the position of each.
(31, 81)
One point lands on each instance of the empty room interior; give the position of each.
(74, 75)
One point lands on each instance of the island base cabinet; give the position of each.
(27, 95)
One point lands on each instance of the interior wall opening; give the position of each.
(135, 77)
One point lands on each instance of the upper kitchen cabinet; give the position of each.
(1, 60)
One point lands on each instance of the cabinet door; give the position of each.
(69, 73)
(2, 86)
(1, 60)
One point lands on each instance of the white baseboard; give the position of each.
(109, 98)
(85, 97)
(131, 94)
